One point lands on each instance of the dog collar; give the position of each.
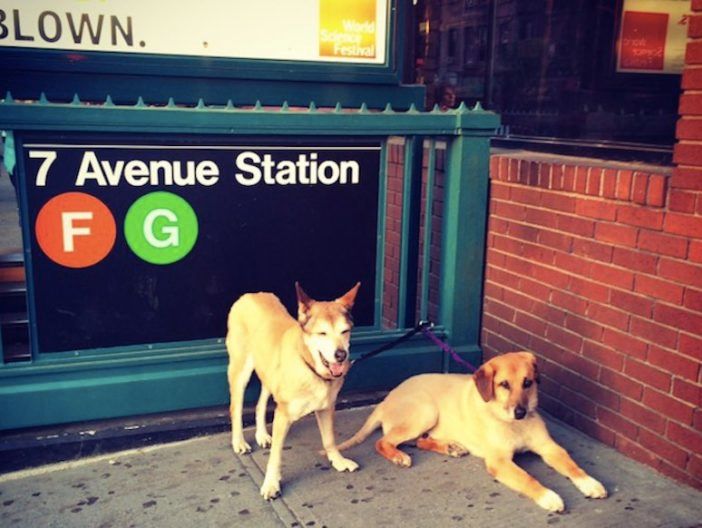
(314, 371)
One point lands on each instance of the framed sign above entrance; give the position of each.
(322, 30)
(238, 39)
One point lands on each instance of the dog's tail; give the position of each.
(372, 423)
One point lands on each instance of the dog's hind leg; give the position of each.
(263, 439)
(399, 426)
(238, 374)
(452, 449)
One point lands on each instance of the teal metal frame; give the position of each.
(83, 385)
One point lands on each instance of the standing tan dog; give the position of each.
(491, 414)
(301, 363)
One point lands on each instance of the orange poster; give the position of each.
(347, 29)
(643, 40)
(652, 36)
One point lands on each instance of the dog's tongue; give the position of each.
(337, 369)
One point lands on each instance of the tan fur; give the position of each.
(456, 414)
(299, 363)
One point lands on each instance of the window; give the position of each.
(579, 71)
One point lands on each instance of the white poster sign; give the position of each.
(347, 31)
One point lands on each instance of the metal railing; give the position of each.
(440, 160)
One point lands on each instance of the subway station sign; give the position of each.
(150, 241)
(300, 30)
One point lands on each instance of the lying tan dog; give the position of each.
(301, 363)
(491, 414)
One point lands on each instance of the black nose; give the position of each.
(340, 355)
(519, 412)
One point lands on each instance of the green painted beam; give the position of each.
(231, 120)
(54, 390)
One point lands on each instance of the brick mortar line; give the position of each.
(567, 330)
(597, 381)
(641, 250)
(577, 194)
(666, 420)
(589, 197)
(679, 330)
(597, 421)
(551, 162)
(599, 343)
(565, 310)
(596, 220)
(617, 267)
(683, 260)
(687, 166)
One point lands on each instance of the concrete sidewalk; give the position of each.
(200, 482)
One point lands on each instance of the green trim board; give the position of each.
(167, 376)
(234, 120)
(61, 390)
(127, 89)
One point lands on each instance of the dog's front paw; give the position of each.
(343, 464)
(456, 450)
(270, 489)
(590, 487)
(401, 459)
(263, 439)
(240, 446)
(551, 501)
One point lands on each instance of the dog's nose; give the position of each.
(340, 355)
(519, 412)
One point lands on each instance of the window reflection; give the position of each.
(551, 68)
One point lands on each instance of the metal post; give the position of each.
(463, 248)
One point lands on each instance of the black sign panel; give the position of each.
(145, 240)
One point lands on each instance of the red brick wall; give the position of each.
(597, 268)
(592, 268)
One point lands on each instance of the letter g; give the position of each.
(171, 231)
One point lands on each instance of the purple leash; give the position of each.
(424, 327)
(426, 330)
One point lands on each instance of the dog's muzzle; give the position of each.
(340, 355)
(336, 368)
(519, 412)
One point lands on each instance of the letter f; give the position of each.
(70, 231)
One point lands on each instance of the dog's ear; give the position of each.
(303, 304)
(531, 358)
(349, 297)
(483, 381)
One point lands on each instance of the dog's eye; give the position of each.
(527, 383)
(504, 384)
(321, 333)
(346, 331)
